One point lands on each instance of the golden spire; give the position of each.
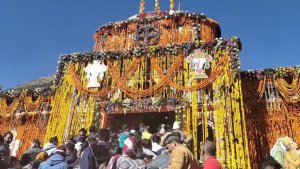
(142, 6)
(172, 5)
(156, 9)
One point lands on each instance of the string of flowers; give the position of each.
(147, 17)
(6, 110)
(195, 121)
(290, 92)
(229, 121)
(30, 105)
(277, 76)
(231, 44)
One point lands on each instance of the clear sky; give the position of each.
(33, 33)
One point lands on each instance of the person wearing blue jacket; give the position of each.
(57, 160)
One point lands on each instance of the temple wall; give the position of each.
(268, 118)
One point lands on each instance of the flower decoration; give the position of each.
(231, 44)
(150, 17)
(271, 73)
(146, 35)
(153, 103)
(127, 103)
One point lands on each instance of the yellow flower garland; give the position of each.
(231, 137)
(66, 116)
(195, 121)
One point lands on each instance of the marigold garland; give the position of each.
(254, 90)
(67, 117)
(229, 122)
(195, 121)
(290, 92)
(32, 106)
(5, 109)
(271, 119)
(61, 106)
(150, 91)
(27, 132)
(130, 77)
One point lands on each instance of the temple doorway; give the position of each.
(200, 139)
(152, 119)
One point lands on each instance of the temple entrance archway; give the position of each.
(152, 119)
(200, 135)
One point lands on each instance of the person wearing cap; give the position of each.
(177, 129)
(181, 157)
(31, 153)
(146, 134)
(57, 160)
(128, 159)
(51, 146)
(123, 135)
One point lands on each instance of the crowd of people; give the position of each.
(128, 148)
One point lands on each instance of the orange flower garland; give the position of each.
(254, 89)
(7, 109)
(147, 92)
(31, 106)
(290, 92)
(121, 82)
(27, 132)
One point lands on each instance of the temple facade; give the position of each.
(157, 68)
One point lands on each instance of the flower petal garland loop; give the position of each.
(147, 92)
(254, 92)
(231, 44)
(31, 106)
(291, 92)
(6, 110)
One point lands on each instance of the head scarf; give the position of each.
(176, 125)
(162, 130)
(129, 148)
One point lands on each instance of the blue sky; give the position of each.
(34, 33)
